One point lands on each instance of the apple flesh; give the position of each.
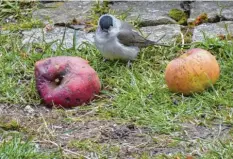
(194, 71)
(66, 81)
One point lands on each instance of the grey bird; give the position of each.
(116, 39)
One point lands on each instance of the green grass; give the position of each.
(15, 9)
(219, 149)
(16, 15)
(102, 151)
(136, 95)
(17, 147)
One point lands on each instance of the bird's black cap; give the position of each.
(106, 22)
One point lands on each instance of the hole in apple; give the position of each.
(59, 77)
(58, 80)
(67, 99)
(78, 100)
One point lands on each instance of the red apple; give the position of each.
(66, 81)
(194, 71)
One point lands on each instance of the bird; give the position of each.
(116, 39)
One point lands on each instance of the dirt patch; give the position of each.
(203, 132)
(81, 133)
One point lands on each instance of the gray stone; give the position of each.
(211, 30)
(154, 33)
(29, 109)
(63, 12)
(228, 13)
(56, 36)
(148, 13)
(213, 10)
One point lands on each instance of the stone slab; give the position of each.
(56, 36)
(212, 30)
(171, 31)
(149, 13)
(213, 9)
(63, 12)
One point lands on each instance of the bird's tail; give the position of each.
(149, 42)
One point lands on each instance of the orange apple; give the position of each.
(194, 71)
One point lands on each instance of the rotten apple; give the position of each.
(194, 71)
(66, 81)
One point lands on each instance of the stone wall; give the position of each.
(152, 15)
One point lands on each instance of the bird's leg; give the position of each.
(129, 64)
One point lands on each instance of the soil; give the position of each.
(52, 129)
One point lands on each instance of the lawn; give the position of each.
(134, 108)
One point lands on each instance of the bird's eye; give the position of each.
(106, 22)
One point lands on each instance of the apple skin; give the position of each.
(194, 71)
(66, 81)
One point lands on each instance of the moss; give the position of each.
(183, 21)
(179, 16)
(10, 125)
(176, 14)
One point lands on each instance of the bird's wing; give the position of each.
(126, 26)
(132, 38)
